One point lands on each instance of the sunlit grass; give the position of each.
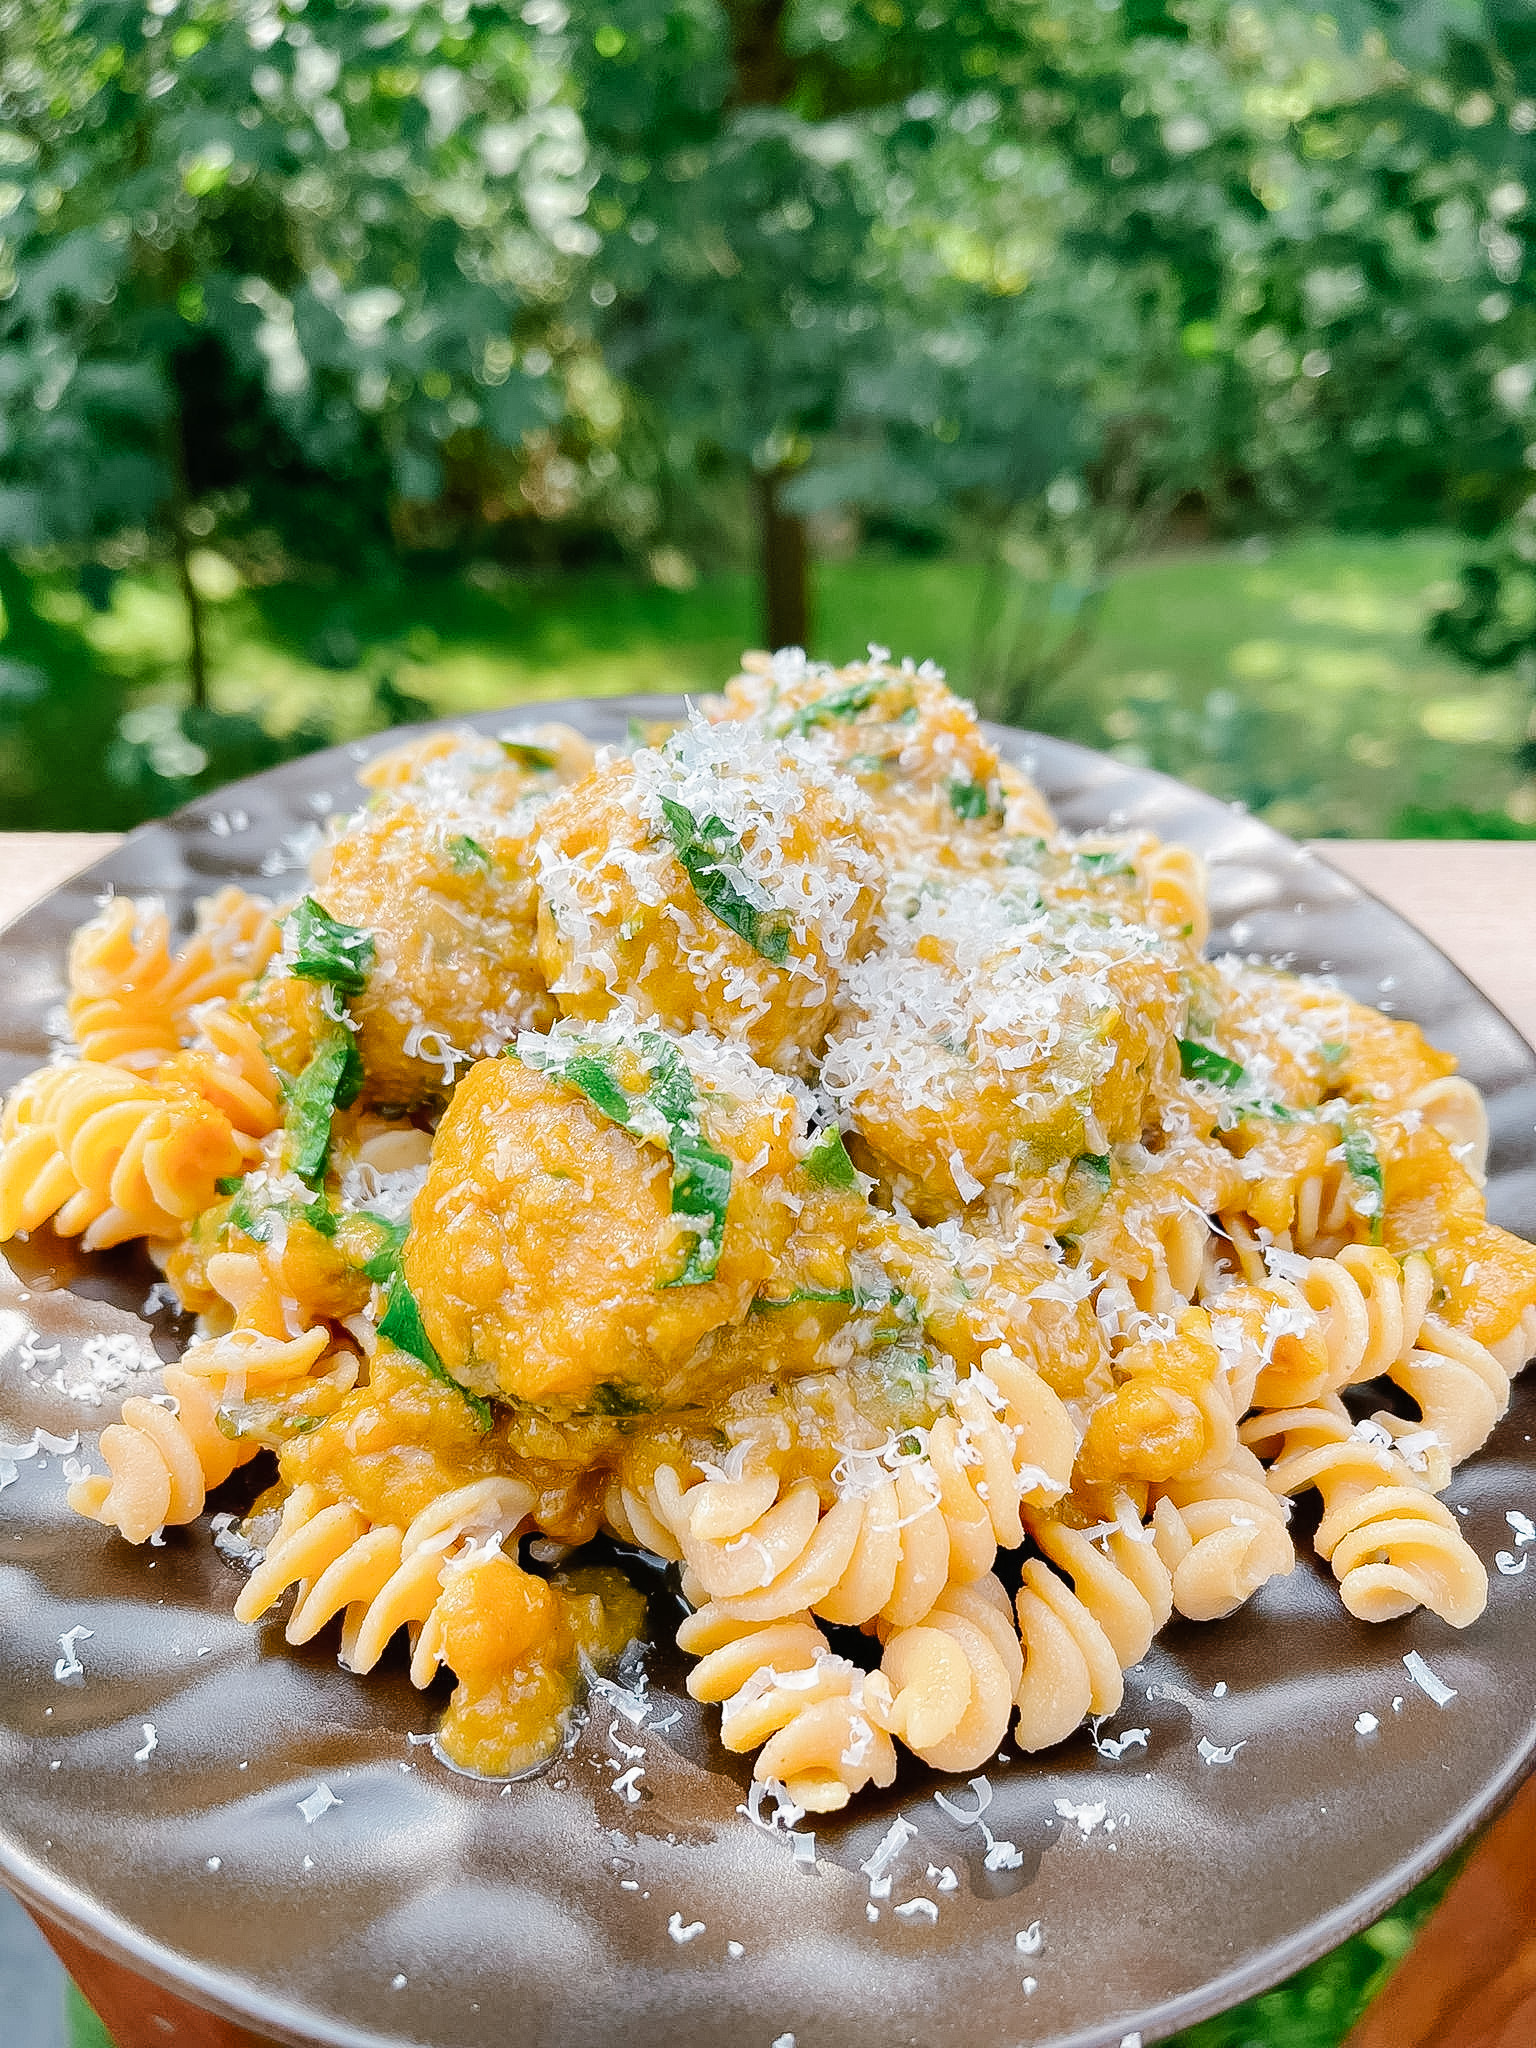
(1298, 683)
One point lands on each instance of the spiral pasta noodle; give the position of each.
(817, 1721)
(1174, 879)
(894, 1539)
(106, 1156)
(1392, 1545)
(1171, 1412)
(130, 998)
(378, 1578)
(1222, 1536)
(165, 1455)
(954, 1676)
(1079, 1637)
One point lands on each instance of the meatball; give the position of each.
(995, 1032)
(561, 1256)
(941, 797)
(720, 882)
(436, 870)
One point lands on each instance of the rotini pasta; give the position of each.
(163, 1460)
(782, 1149)
(1222, 1536)
(131, 999)
(817, 1721)
(106, 1156)
(1392, 1545)
(1079, 1637)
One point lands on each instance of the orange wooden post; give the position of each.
(1469, 1981)
(137, 2013)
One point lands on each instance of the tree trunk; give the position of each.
(785, 564)
(197, 650)
(181, 548)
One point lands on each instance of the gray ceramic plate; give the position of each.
(429, 1908)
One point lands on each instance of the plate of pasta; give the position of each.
(787, 1366)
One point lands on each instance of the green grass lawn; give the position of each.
(1298, 682)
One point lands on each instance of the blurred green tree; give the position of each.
(268, 267)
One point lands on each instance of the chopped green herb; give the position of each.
(612, 1399)
(1112, 861)
(327, 950)
(401, 1323)
(330, 1082)
(969, 799)
(592, 1074)
(230, 1183)
(702, 850)
(465, 853)
(701, 1189)
(257, 1220)
(765, 1304)
(1334, 1052)
(527, 755)
(1200, 1062)
(1083, 1194)
(1364, 1162)
(840, 704)
(827, 1164)
(701, 1175)
(382, 1265)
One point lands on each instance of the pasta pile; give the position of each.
(782, 1149)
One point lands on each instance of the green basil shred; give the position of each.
(1364, 1162)
(401, 1323)
(827, 1164)
(465, 853)
(765, 1304)
(701, 1175)
(1200, 1062)
(969, 799)
(702, 849)
(327, 950)
(330, 1082)
(847, 703)
(527, 755)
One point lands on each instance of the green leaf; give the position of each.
(230, 1183)
(594, 1076)
(1364, 1162)
(700, 849)
(701, 1175)
(701, 1190)
(764, 1304)
(328, 950)
(969, 799)
(386, 1259)
(527, 755)
(827, 1164)
(1113, 861)
(330, 1082)
(401, 1323)
(1200, 1062)
(840, 704)
(466, 853)
(613, 1399)
(256, 1218)
(1084, 1192)
(1334, 1052)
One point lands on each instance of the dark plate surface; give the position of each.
(433, 1909)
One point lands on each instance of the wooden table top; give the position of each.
(1470, 1980)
